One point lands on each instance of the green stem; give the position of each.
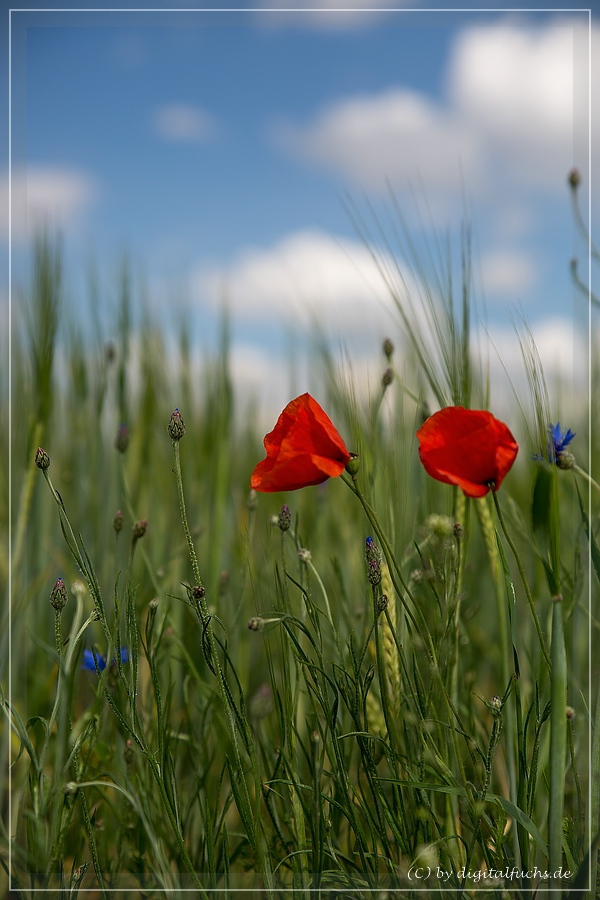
(558, 736)
(528, 594)
(587, 477)
(593, 828)
(256, 839)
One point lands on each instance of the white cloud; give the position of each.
(507, 272)
(306, 278)
(43, 196)
(397, 134)
(184, 123)
(515, 117)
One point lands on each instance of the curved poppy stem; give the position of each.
(528, 594)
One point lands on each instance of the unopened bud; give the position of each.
(122, 438)
(118, 521)
(387, 378)
(176, 426)
(382, 603)
(252, 499)
(128, 753)
(58, 595)
(139, 529)
(304, 555)
(565, 460)
(256, 623)
(153, 605)
(284, 519)
(496, 704)
(574, 178)
(388, 348)
(42, 460)
(458, 531)
(198, 592)
(353, 465)
(570, 713)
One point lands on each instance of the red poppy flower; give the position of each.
(467, 447)
(304, 448)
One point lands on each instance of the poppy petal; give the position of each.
(469, 448)
(303, 449)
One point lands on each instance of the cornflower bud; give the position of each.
(42, 460)
(458, 531)
(58, 595)
(139, 529)
(373, 558)
(256, 623)
(387, 378)
(223, 582)
(388, 348)
(176, 426)
(261, 703)
(565, 460)
(118, 521)
(382, 603)
(284, 519)
(122, 438)
(128, 753)
(198, 592)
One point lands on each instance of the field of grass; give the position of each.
(264, 719)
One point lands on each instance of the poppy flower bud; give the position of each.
(496, 705)
(118, 521)
(353, 465)
(304, 555)
(388, 349)
(284, 519)
(58, 595)
(42, 460)
(387, 378)
(153, 605)
(176, 426)
(139, 529)
(256, 623)
(122, 438)
(574, 178)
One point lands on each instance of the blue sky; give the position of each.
(217, 150)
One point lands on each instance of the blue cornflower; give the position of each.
(88, 659)
(558, 441)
